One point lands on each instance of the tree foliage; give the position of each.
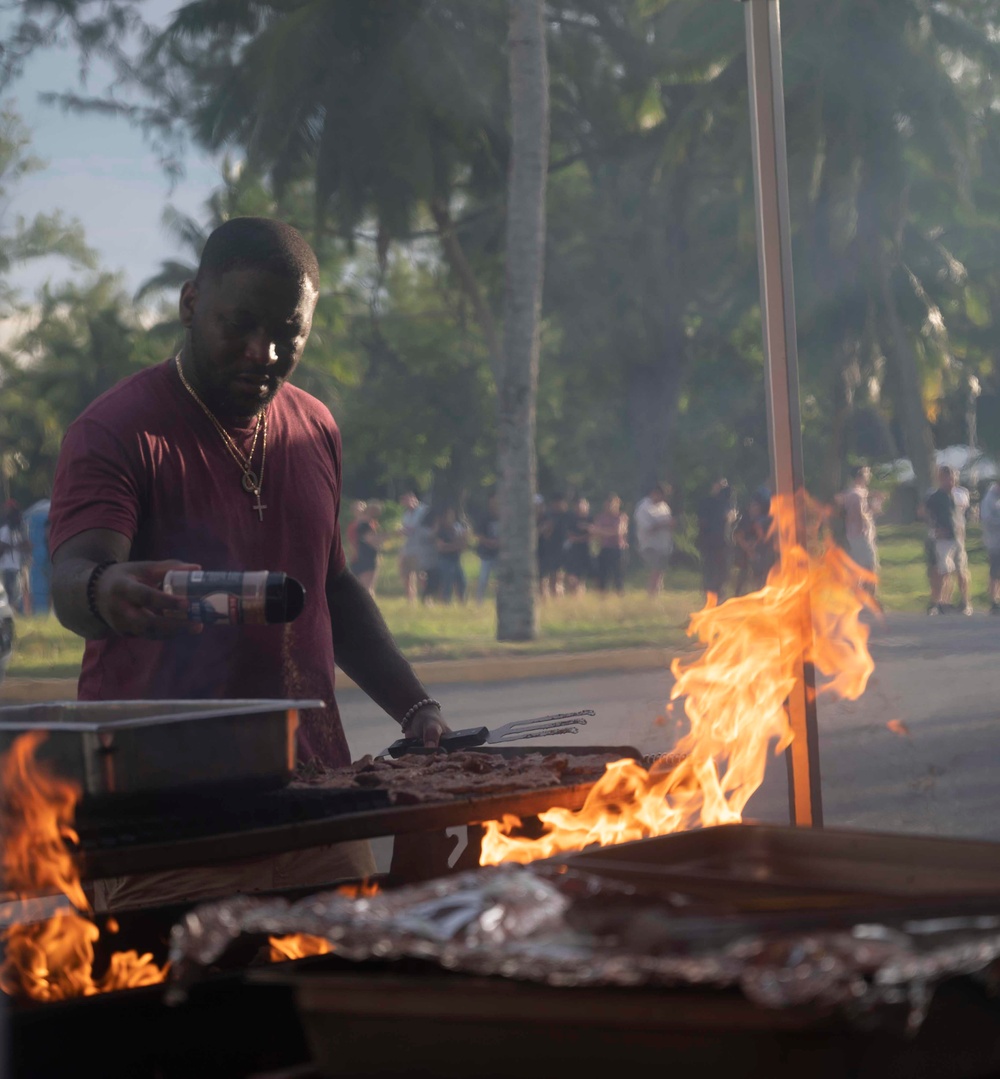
(384, 128)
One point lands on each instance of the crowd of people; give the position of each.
(577, 548)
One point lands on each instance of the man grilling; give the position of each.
(212, 459)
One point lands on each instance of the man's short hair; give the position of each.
(262, 243)
(856, 471)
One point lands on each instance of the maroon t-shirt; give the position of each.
(144, 460)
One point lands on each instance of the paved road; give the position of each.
(938, 675)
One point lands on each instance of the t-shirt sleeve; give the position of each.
(96, 485)
(338, 559)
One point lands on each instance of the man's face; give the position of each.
(946, 479)
(248, 329)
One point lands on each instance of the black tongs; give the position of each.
(542, 727)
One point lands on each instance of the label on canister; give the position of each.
(219, 596)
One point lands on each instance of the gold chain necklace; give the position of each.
(252, 482)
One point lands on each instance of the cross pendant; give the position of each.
(258, 507)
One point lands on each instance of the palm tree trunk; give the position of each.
(529, 91)
(916, 431)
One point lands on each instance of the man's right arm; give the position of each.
(128, 595)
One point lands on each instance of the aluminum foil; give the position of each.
(573, 929)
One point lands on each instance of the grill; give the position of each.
(200, 829)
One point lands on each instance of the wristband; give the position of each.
(416, 708)
(95, 575)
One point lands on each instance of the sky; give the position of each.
(100, 171)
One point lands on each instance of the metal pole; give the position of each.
(777, 303)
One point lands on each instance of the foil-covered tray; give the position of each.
(567, 929)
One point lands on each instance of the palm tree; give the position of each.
(529, 96)
(883, 130)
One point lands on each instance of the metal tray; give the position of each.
(122, 749)
(760, 867)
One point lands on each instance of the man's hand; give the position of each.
(427, 725)
(131, 601)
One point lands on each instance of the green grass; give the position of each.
(43, 649)
(568, 624)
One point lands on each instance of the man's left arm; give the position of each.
(365, 651)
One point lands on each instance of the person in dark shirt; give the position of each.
(715, 521)
(946, 510)
(576, 558)
(487, 545)
(753, 546)
(368, 540)
(166, 471)
(552, 532)
(452, 538)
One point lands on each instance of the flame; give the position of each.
(364, 889)
(53, 959)
(734, 697)
(302, 945)
(297, 946)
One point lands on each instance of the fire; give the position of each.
(302, 945)
(734, 697)
(53, 959)
(297, 946)
(364, 889)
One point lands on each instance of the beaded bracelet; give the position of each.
(416, 708)
(95, 575)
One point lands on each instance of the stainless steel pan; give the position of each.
(114, 749)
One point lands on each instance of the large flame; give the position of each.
(734, 697)
(53, 959)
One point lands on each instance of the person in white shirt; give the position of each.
(14, 550)
(989, 517)
(654, 525)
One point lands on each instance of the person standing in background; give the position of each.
(487, 545)
(654, 526)
(577, 559)
(715, 524)
(358, 509)
(15, 550)
(452, 537)
(409, 568)
(611, 530)
(552, 531)
(860, 508)
(428, 559)
(989, 517)
(368, 540)
(754, 548)
(947, 509)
